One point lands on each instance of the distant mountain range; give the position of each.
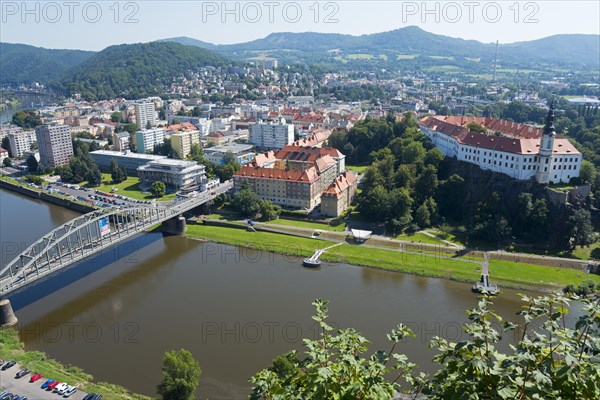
(408, 48)
(567, 50)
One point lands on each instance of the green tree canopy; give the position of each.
(158, 189)
(181, 375)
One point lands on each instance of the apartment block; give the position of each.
(145, 140)
(274, 135)
(54, 144)
(144, 114)
(20, 141)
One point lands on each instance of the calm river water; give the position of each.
(234, 309)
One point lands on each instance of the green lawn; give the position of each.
(585, 253)
(504, 273)
(307, 224)
(129, 187)
(419, 237)
(360, 169)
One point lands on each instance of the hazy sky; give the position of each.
(94, 25)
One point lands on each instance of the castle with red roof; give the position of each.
(521, 151)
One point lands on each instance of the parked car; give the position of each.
(8, 365)
(22, 373)
(36, 377)
(54, 384)
(69, 391)
(48, 382)
(6, 395)
(61, 387)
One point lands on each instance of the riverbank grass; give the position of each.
(504, 273)
(11, 348)
(339, 227)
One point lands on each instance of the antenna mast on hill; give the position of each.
(495, 62)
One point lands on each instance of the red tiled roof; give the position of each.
(520, 140)
(310, 175)
(340, 184)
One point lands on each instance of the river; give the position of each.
(234, 309)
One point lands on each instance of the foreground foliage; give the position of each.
(550, 359)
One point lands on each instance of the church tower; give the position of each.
(546, 147)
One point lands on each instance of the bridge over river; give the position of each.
(90, 234)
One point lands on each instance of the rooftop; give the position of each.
(110, 153)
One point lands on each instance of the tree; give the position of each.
(116, 117)
(6, 162)
(117, 173)
(413, 153)
(34, 179)
(268, 210)
(587, 172)
(26, 119)
(94, 177)
(32, 164)
(6, 146)
(475, 127)
(158, 189)
(582, 232)
(181, 375)
(554, 358)
(246, 202)
(423, 216)
(335, 367)
(375, 203)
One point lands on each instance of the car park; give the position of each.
(22, 373)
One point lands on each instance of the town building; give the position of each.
(271, 135)
(146, 139)
(288, 188)
(3, 155)
(130, 161)
(20, 141)
(145, 115)
(521, 151)
(120, 141)
(177, 175)
(293, 177)
(339, 195)
(241, 152)
(54, 144)
(182, 142)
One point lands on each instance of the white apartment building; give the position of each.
(145, 140)
(175, 174)
(144, 113)
(54, 144)
(274, 135)
(20, 141)
(520, 151)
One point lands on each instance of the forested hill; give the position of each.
(21, 63)
(136, 70)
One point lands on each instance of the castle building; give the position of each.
(521, 151)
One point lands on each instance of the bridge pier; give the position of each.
(7, 316)
(175, 226)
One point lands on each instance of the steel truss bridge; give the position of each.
(84, 236)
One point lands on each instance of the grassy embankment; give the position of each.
(504, 273)
(11, 348)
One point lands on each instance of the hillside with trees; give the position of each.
(20, 63)
(136, 70)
